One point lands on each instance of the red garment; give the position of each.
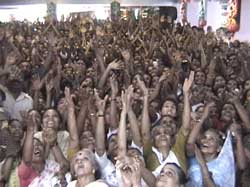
(26, 174)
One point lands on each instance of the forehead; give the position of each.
(51, 112)
(169, 167)
(15, 123)
(168, 103)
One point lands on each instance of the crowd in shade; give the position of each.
(130, 103)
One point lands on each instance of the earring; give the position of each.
(93, 171)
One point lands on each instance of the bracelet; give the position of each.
(92, 114)
(100, 115)
(113, 99)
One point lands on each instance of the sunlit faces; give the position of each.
(16, 130)
(162, 136)
(87, 82)
(62, 106)
(38, 151)
(51, 119)
(170, 124)
(87, 140)
(219, 82)
(84, 163)
(231, 85)
(210, 143)
(170, 176)
(247, 85)
(169, 109)
(228, 113)
(90, 72)
(200, 78)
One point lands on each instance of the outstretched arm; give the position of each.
(100, 127)
(186, 112)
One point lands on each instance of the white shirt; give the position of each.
(92, 184)
(107, 170)
(14, 106)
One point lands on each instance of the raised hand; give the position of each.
(188, 82)
(142, 86)
(207, 109)
(100, 103)
(115, 65)
(49, 136)
(69, 98)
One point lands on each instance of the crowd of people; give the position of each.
(126, 103)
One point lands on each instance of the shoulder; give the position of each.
(99, 183)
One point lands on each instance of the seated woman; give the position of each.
(86, 170)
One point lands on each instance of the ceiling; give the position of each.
(25, 2)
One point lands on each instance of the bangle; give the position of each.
(113, 99)
(100, 115)
(92, 114)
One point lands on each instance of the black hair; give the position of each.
(181, 175)
(3, 95)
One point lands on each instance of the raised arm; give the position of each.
(145, 113)
(190, 146)
(28, 142)
(100, 127)
(122, 142)
(186, 112)
(115, 65)
(113, 111)
(136, 135)
(240, 155)
(72, 128)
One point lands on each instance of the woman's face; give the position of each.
(38, 151)
(162, 137)
(209, 143)
(200, 78)
(228, 113)
(231, 85)
(168, 177)
(62, 106)
(87, 140)
(247, 85)
(16, 130)
(51, 119)
(219, 82)
(169, 109)
(87, 83)
(83, 165)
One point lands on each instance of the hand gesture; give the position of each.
(68, 98)
(115, 65)
(37, 83)
(208, 109)
(162, 78)
(142, 86)
(100, 103)
(29, 120)
(188, 82)
(199, 155)
(49, 136)
(236, 130)
(49, 83)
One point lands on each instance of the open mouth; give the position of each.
(37, 152)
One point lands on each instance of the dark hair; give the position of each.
(181, 175)
(3, 96)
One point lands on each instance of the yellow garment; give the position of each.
(151, 158)
(14, 179)
(71, 152)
